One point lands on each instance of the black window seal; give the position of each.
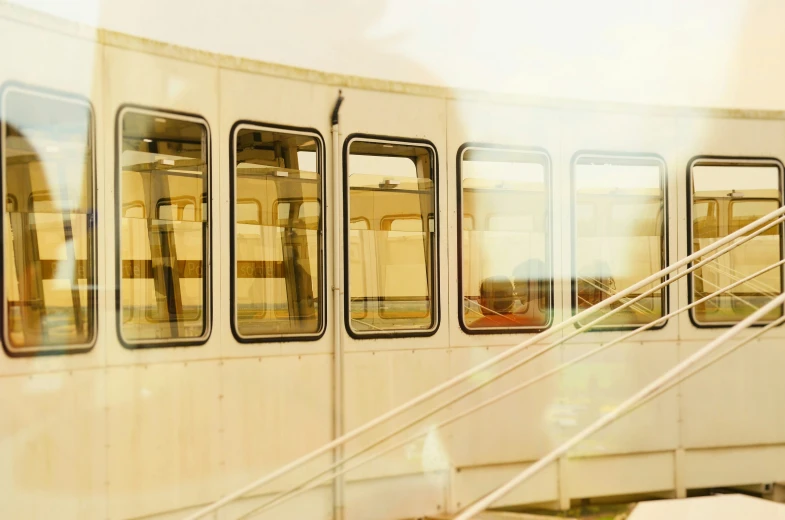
(93, 306)
(729, 160)
(621, 158)
(207, 271)
(533, 150)
(321, 166)
(436, 282)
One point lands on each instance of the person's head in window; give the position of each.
(496, 295)
(527, 278)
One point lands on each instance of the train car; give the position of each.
(204, 278)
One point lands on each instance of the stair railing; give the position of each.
(714, 250)
(675, 375)
(327, 474)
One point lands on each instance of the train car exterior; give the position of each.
(169, 272)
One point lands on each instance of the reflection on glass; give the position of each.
(163, 228)
(391, 237)
(277, 233)
(619, 230)
(49, 255)
(725, 198)
(504, 244)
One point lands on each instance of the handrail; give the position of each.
(630, 403)
(776, 323)
(518, 364)
(315, 481)
(733, 296)
(734, 273)
(607, 290)
(575, 319)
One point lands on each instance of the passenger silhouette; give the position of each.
(532, 289)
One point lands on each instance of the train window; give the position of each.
(164, 227)
(49, 251)
(279, 271)
(727, 195)
(504, 244)
(391, 246)
(619, 227)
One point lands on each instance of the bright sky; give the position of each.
(698, 52)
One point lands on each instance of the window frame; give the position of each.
(322, 260)
(628, 159)
(436, 246)
(207, 265)
(524, 150)
(728, 160)
(93, 229)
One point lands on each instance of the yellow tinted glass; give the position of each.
(391, 237)
(504, 244)
(164, 219)
(619, 235)
(49, 252)
(725, 199)
(277, 233)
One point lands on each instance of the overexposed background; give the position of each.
(727, 53)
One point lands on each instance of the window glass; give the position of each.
(504, 244)
(619, 234)
(164, 228)
(391, 242)
(49, 252)
(277, 233)
(705, 219)
(725, 199)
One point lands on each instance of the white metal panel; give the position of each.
(404, 116)
(503, 125)
(606, 132)
(595, 386)
(404, 496)
(383, 373)
(277, 406)
(472, 483)
(159, 83)
(628, 474)
(723, 137)
(52, 446)
(517, 428)
(48, 58)
(72, 65)
(164, 430)
(268, 100)
(377, 382)
(734, 466)
(273, 410)
(740, 400)
(737, 137)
